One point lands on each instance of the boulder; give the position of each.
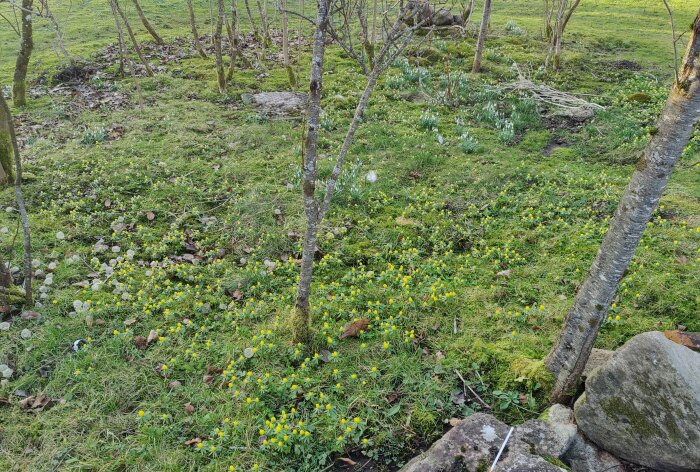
(519, 460)
(552, 436)
(583, 456)
(597, 358)
(470, 446)
(443, 17)
(643, 405)
(277, 104)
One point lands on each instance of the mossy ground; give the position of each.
(206, 195)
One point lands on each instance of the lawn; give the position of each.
(169, 242)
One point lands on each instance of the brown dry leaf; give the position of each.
(348, 461)
(393, 396)
(31, 315)
(682, 259)
(237, 294)
(39, 402)
(129, 322)
(140, 342)
(503, 273)
(689, 340)
(523, 399)
(455, 421)
(193, 442)
(189, 409)
(152, 336)
(150, 216)
(354, 328)
(174, 385)
(211, 370)
(208, 379)
(439, 355)
(100, 322)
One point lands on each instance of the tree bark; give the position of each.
(137, 48)
(220, 73)
(6, 172)
(19, 87)
(195, 33)
(147, 24)
(285, 44)
(641, 196)
(123, 53)
(253, 25)
(300, 320)
(482, 36)
(21, 206)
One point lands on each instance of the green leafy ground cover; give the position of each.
(184, 220)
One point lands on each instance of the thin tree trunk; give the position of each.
(19, 87)
(285, 44)
(123, 53)
(675, 127)
(5, 276)
(253, 24)
(264, 24)
(6, 172)
(195, 33)
(220, 73)
(24, 218)
(482, 36)
(147, 24)
(469, 12)
(137, 48)
(60, 45)
(301, 317)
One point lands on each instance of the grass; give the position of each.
(185, 219)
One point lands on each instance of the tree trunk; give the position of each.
(482, 36)
(123, 53)
(253, 25)
(264, 24)
(285, 44)
(5, 276)
(220, 73)
(137, 48)
(301, 317)
(468, 13)
(6, 172)
(24, 218)
(147, 24)
(646, 186)
(19, 88)
(195, 33)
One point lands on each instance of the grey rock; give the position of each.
(443, 17)
(643, 405)
(583, 456)
(546, 439)
(597, 358)
(577, 114)
(470, 446)
(278, 104)
(4, 326)
(26, 334)
(518, 460)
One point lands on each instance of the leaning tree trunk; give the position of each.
(218, 53)
(24, 218)
(300, 319)
(647, 184)
(482, 36)
(132, 36)
(19, 88)
(147, 24)
(195, 33)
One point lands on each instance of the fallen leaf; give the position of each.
(454, 421)
(140, 342)
(189, 409)
(348, 461)
(150, 216)
(174, 385)
(152, 336)
(689, 340)
(31, 315)
(354, 328)
(208, 379)
(129, 322)
(392, 397)
(192, 442)
(100, 322)
(439, 355)
(503, 273)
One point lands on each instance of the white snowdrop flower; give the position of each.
(60, 236)
(43, 296)
(52, 266)
(371, 177)
(126, 296)
(440, 139)
(77, 305)
(130, 254)
(48, 281)
(116, 249)
(43, 289)
(4, 230)
(149, 273)
(38, 304)
(36, 263)
(9, 209)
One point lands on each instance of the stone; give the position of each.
(6, 371)
(4, 326)
(25, 333)
(583, 456)
(519, 460)
(277, 104)
(643, 405)
(546, 439)
(470, 446)
(577, 114)
(597, 358)
(443, 17)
